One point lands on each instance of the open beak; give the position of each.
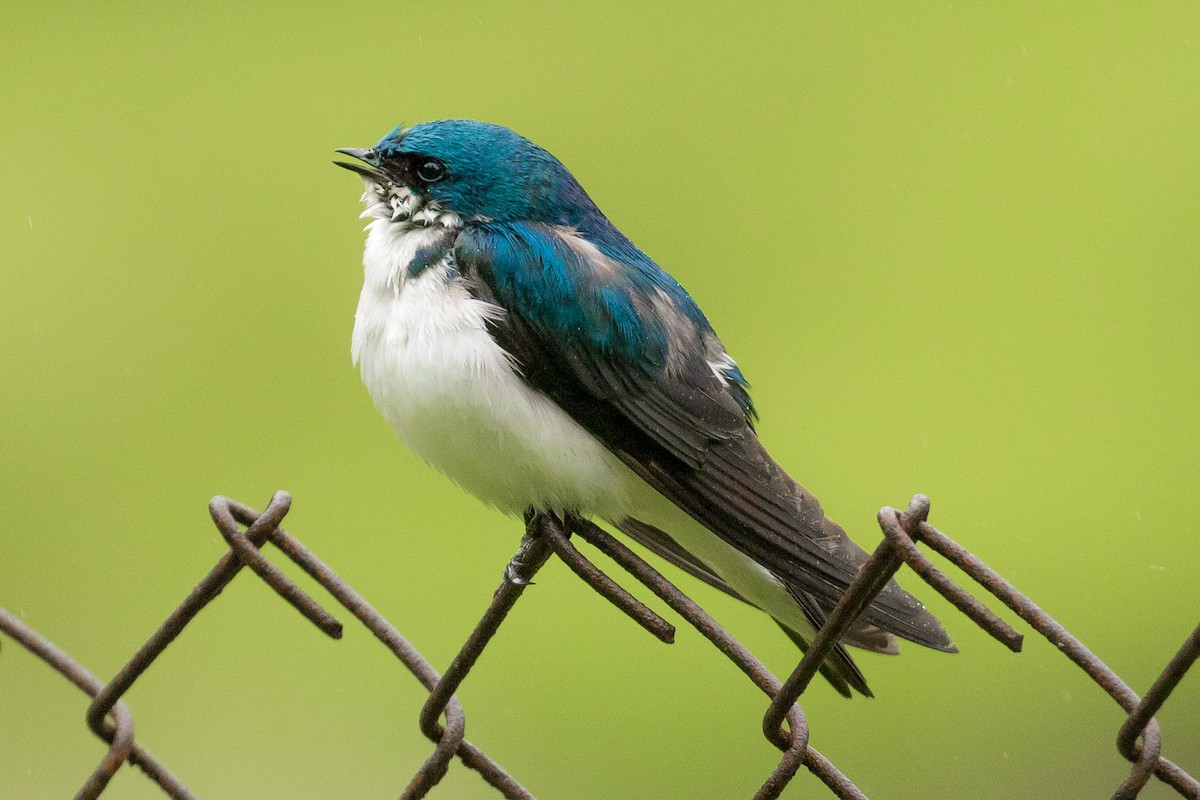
(366, 169)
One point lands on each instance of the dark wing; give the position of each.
(617, 344)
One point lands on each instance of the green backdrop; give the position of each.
(954, 249)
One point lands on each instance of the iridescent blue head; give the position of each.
(477, 170)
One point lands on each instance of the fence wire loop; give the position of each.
(902, 531)
(247, 552)
(443, 721)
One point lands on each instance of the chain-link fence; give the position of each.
(1139, 739)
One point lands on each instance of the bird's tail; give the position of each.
(838, 668)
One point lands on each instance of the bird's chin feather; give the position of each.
(401, 205)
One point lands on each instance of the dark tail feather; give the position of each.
(839, 669)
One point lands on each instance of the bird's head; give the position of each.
(452, 171)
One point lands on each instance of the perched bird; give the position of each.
(523, 346)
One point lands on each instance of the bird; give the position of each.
(520, 344)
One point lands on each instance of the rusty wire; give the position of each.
(122, 747)
(244, 547)
(1139, 739)
(901, 532)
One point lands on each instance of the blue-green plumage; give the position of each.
(561, 290)
(557, 286)
(499, 295)
(496, 174)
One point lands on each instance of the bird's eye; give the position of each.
(431, 171)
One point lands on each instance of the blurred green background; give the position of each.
(953, 248)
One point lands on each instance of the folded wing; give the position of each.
(617, 343)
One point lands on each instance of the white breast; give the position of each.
(452, 395)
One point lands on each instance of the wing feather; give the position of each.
(616, 343)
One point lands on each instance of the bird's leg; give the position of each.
(534, 549)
